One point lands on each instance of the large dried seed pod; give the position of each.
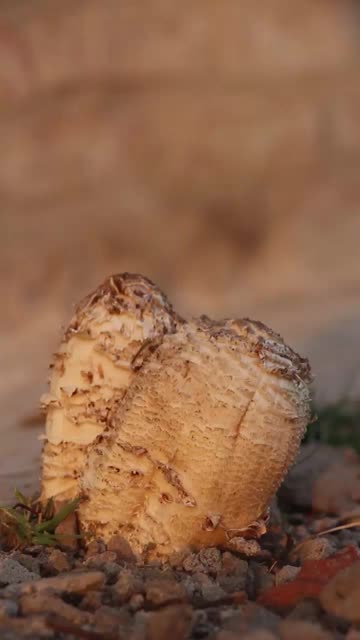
(200, 442)
(98, 357)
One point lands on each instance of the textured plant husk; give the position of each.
(177, 433)
(222, 409)
(100, 351)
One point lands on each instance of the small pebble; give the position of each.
(47, 603)
(95, 547)
(230, 584)
(108, 619)
(208, 589)
(8, 608)
(176, 560)
(252, 616)
(249, 548)
(302, 630)
(68, 530)
(12, 572)
(264, 580)
(98, 560)
(159, 592)
(33, 627)
(207, 560)
(301, 532)
(136, 602)
(91, 601)
(322, 524)
(341, 595)
(211, 592)
(286, 574)
(309, 610)
(314, 549)
(173, 622)
(30, 563)
(58, 561)
(232, 565)
(71, 582)
(122, 549)
(127, 585)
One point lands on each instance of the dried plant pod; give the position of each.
(105, 343)
(200, 442)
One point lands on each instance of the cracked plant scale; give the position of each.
(104, 344)
(204, 436)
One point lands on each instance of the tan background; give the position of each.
(212, 145)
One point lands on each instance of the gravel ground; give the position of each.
(298, 583)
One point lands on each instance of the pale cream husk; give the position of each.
(176, 433)
(201, 442)
(97, 359)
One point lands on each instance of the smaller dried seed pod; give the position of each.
(201, 441)
(101, 350)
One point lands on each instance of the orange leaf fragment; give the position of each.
(311, 579)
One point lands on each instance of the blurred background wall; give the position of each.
(213, 145)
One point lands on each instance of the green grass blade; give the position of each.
(62, 514)
(21, 498)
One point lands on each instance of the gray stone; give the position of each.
(160, 592)
(286, 574)
(315, 549)
(313, 460)
(8, 608)
(302, 630)
(71, 582)
(252, 616)
(128, 584)
(30, 563)
(207, 560)
(341, 595)
(12, 572)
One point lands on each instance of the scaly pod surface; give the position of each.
(97, 360)
(199, 444)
